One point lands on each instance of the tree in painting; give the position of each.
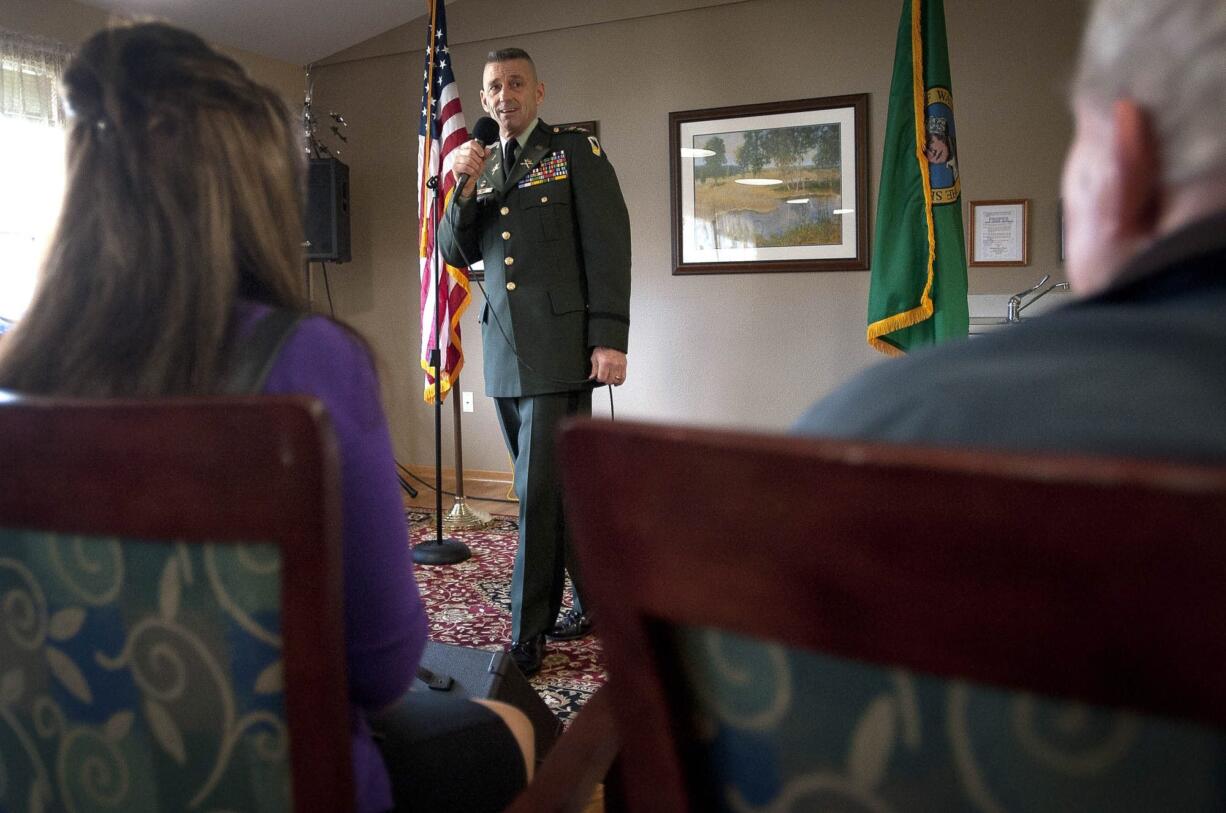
(787, 188)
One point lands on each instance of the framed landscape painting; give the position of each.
(770, 187)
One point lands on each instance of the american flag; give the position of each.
(442, 130)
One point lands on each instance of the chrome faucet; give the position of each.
(1016, 306)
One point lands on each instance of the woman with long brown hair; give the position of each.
(180, 233)
(180, 199)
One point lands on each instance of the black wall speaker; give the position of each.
(492, 676)
(327, 211)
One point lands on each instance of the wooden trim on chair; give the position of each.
(576, 764)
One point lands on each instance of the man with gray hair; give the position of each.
(1135, 366)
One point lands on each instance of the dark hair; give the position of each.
(509, 54)
(185, 188)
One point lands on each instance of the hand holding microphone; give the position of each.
(470, 157)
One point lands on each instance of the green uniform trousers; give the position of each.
(529, 425)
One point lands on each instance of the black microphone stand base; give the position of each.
(441, 552)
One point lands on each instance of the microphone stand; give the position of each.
(438, 551)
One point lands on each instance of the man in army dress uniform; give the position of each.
(545, 212)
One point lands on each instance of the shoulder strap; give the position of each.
(254, 355)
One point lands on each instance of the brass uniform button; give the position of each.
(544, 198)
(510, 286)
(506, 235)
(509, 261)
(505, 210)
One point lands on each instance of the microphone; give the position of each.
(485, 131)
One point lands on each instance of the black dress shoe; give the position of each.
(528, 654)
(571, 625)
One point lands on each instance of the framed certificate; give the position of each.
(999, 232)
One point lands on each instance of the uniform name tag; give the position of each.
(552, 168)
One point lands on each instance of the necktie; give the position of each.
(508, 157)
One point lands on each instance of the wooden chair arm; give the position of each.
(576, 764)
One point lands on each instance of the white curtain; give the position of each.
(31, 69)
(32, 152)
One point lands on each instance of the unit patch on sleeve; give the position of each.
(552, 168)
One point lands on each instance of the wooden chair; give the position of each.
(170, 607)
(801, 624)
(577, 763)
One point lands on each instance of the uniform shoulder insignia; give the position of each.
(574, 129)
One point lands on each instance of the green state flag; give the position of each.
(918, 289)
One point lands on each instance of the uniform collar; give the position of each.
(521, 140)
(535, 143)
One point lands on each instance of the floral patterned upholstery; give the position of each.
(140, 675)
(791, 730)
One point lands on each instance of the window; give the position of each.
(32, 173)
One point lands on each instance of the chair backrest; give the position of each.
(170, 606)
(844, 625)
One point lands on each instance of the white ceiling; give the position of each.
(297, 31)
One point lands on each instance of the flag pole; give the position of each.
(462, 517)
(440, 550)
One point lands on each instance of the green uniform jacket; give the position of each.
(555, 238)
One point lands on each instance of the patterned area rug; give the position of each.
(469, 604)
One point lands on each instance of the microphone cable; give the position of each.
(328, 288)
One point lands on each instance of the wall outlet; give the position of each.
(467, 401)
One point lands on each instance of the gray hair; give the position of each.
(1169, 56)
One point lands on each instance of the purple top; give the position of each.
(385, 622)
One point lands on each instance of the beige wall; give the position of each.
(741, 350)
(71, 23)
(61, 20)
